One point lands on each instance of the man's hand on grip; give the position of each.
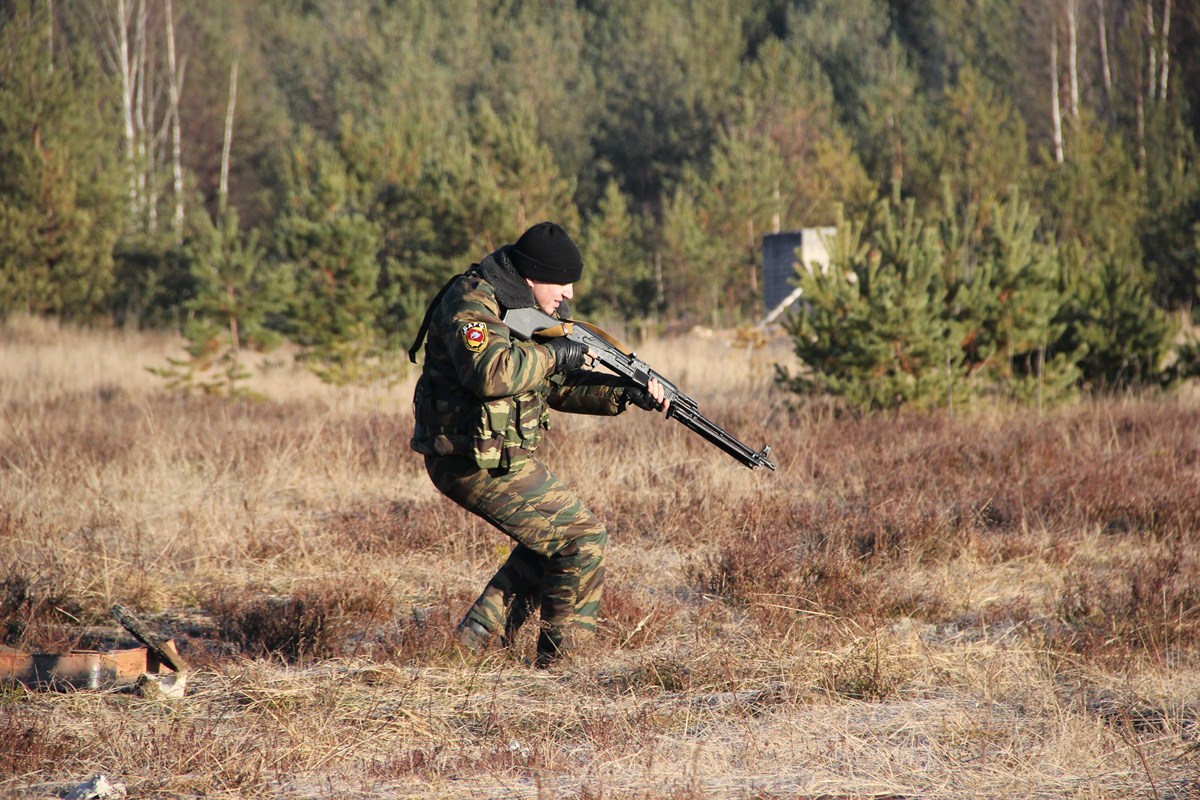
(651, 398)
(568, 355)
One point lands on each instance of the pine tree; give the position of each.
(923, 312)
(432, 226)
(976, 147)
(237, 292)
(59, 209)
(667, 74)
(618, 280)
(787, 101)
(1008, 306)
(1172, 205)
(526, 43)
(877, 91)
(525, 178)
(735, 198)
(872, 327)
(1095, 197)
(331, 249)
(1112, 320)
(687, 253)
(153, 279)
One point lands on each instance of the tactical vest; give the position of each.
(498, 432)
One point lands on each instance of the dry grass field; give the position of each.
(997, 605)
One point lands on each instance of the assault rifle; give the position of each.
(528, 323)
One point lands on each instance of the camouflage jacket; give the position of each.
(483, 393)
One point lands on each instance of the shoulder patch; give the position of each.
(475, 336)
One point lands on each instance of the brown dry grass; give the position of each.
(999, 605)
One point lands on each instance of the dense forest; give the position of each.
(1015, 183)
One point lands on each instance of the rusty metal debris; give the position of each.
(77, 669)
(155, 669)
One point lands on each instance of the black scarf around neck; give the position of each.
(511, 289)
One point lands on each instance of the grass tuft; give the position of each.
(320, 620)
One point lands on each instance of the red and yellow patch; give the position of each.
(475, 336)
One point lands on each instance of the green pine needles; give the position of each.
(236, 292)
(970, 302)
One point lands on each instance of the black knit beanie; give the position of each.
(546, 253)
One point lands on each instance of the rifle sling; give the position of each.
(567, 326)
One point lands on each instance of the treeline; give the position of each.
(1015, 182)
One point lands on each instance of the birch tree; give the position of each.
(175, 84)
(1165, 40)
(1055, 107)
(141, 167)
(132, 44)
(1151, 51)
(1106, 70)
(116, 26)
(227, 140)
(1073, 53)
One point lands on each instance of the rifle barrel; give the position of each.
(689, 415)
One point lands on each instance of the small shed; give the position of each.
(783, 254)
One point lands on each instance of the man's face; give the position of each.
(549, 295)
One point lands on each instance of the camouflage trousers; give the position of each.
(557, 566)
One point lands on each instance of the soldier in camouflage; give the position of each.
(481, 406)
